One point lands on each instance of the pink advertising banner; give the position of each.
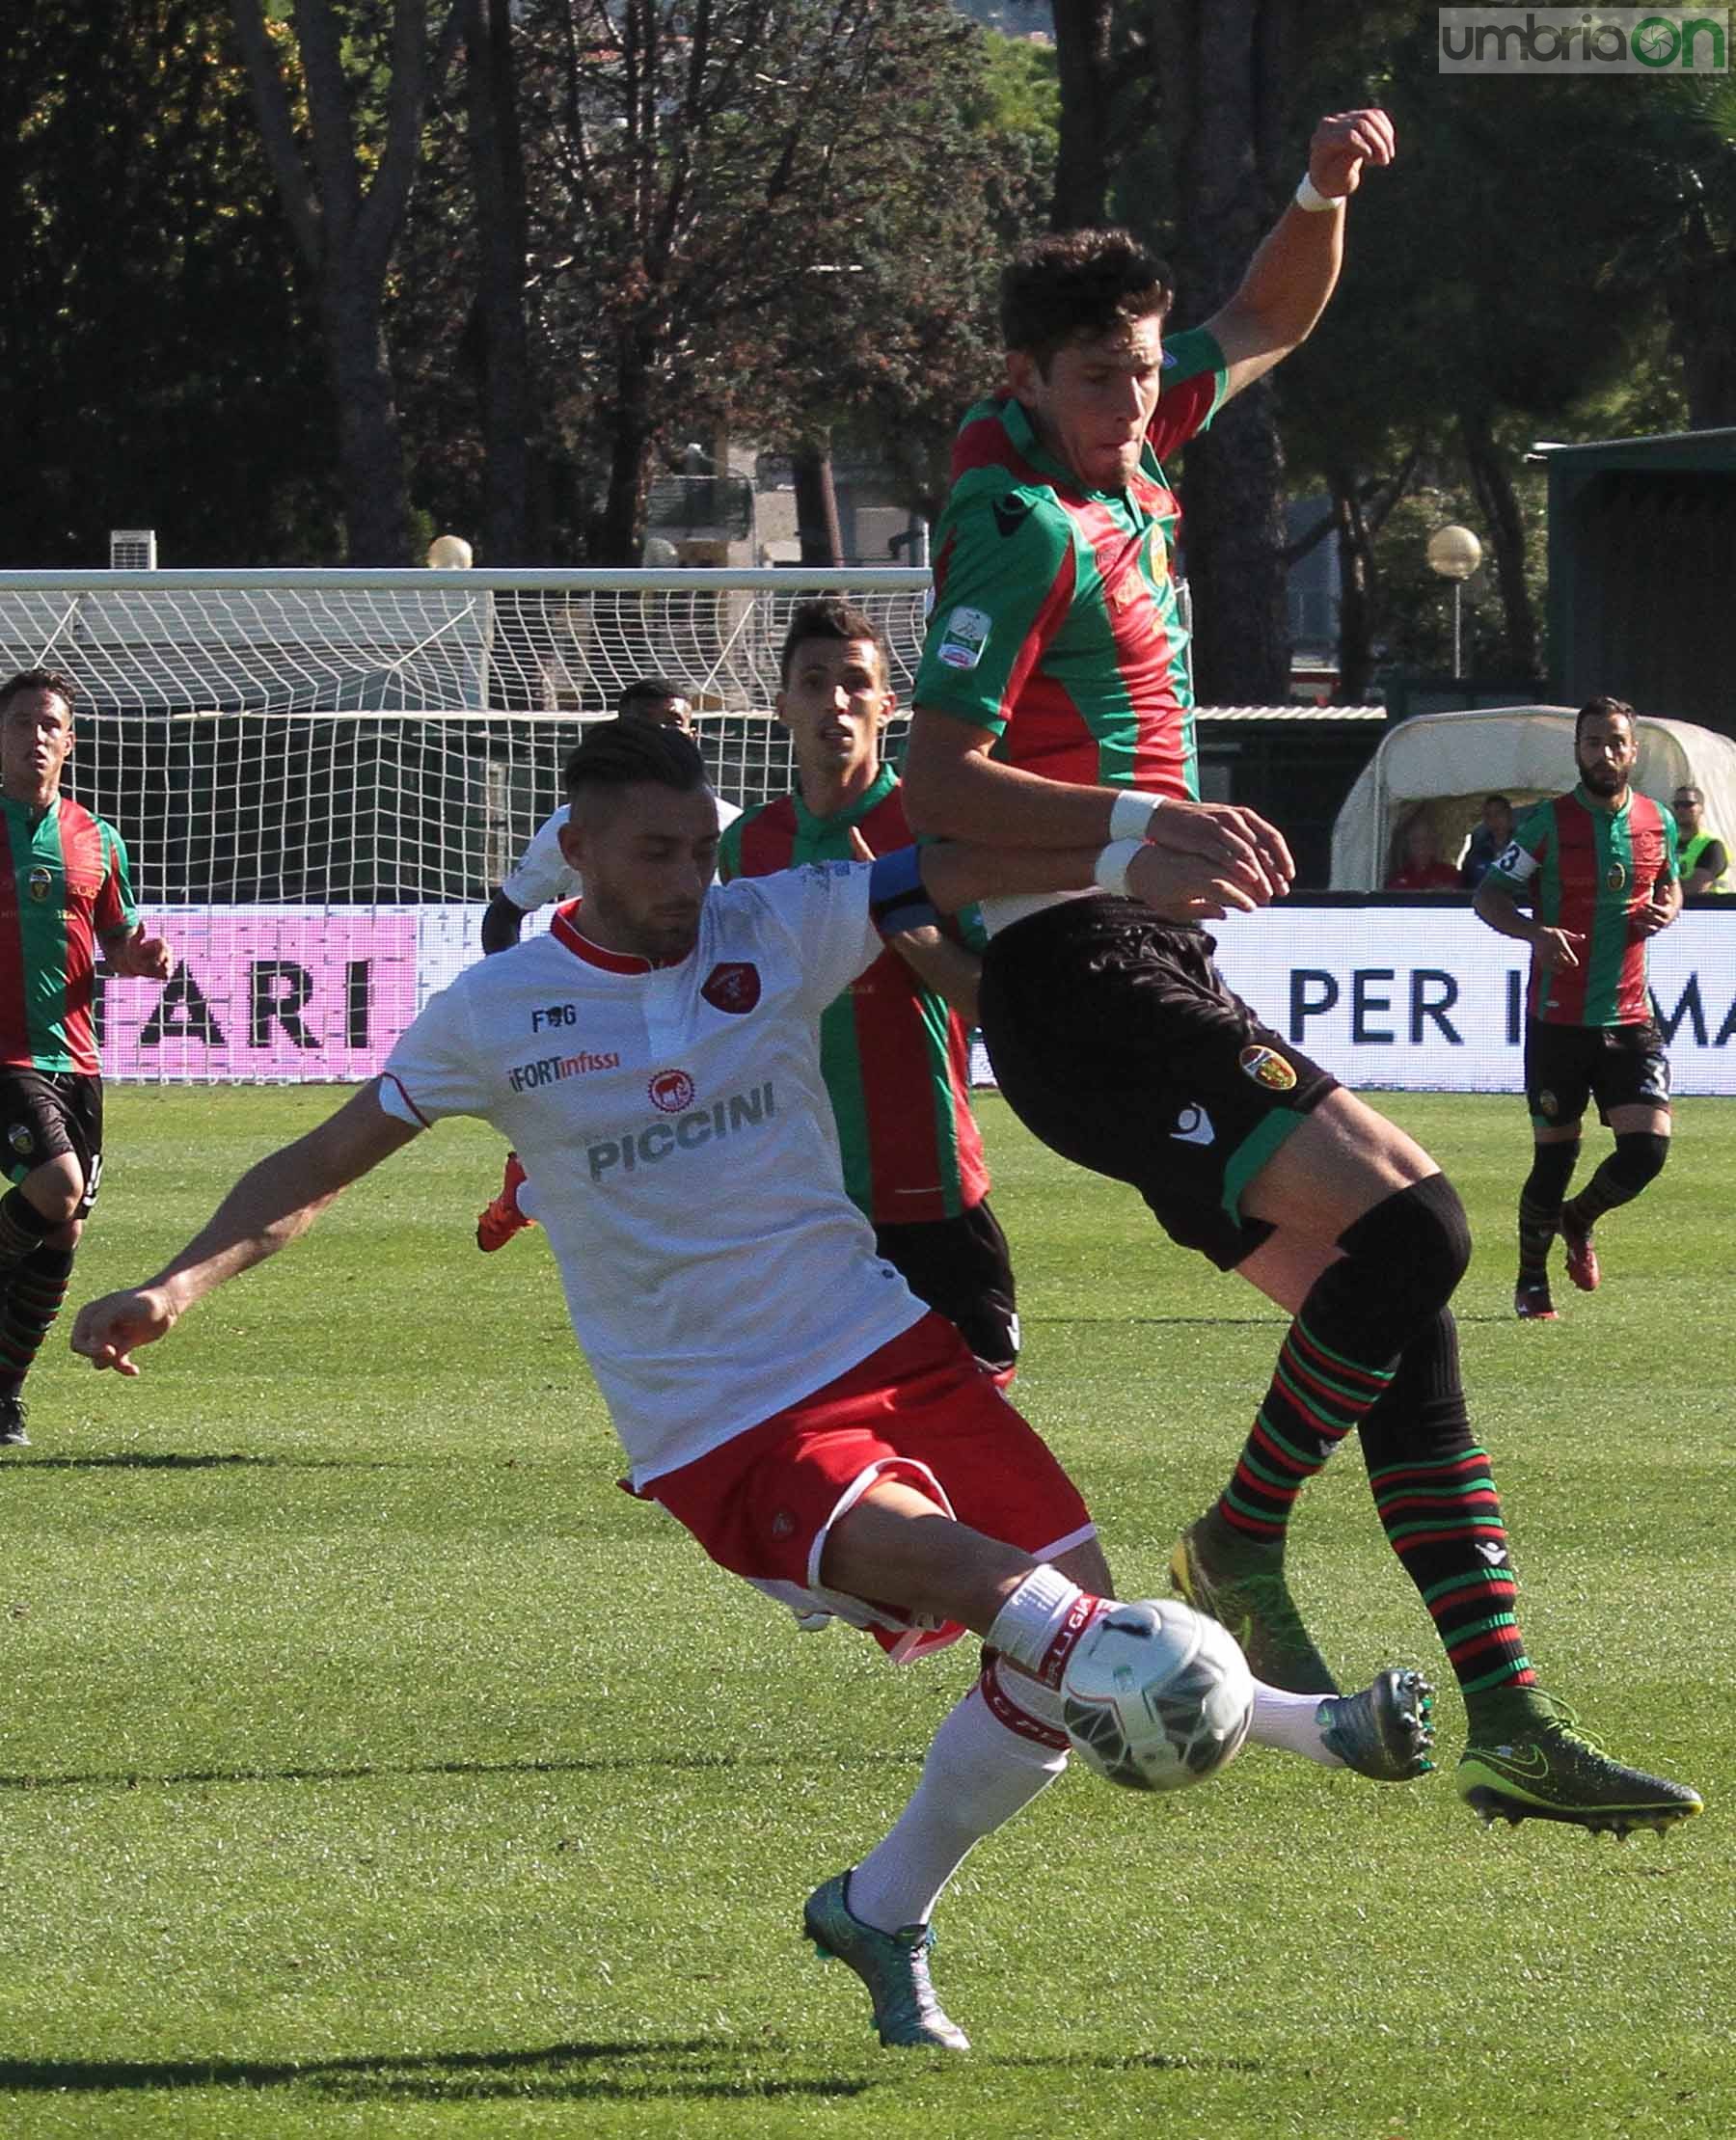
(266, 994)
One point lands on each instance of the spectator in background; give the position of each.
(1703, 859)
(1490, 838)
(1422, 869)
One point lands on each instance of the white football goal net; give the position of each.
(347, 762)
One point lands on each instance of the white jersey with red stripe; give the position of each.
(542, 873)
(677, 1130)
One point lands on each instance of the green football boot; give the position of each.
(1550, 1770)
(1233, 1580)
(892, 1965)
(1385, 1732)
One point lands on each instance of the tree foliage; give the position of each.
(490, 262)
(157, 364)
(340, 103)
(776, 212)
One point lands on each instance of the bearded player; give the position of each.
(1598, 867)
(777, 1387)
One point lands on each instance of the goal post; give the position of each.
(340, 766)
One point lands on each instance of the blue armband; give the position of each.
(897, 897)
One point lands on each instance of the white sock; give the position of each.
(1040, 1623)
(979, 1773)
(1290, 1723)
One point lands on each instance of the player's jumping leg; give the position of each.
(1435, 1491)
(1356, 1300)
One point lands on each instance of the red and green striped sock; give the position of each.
(1443, 1520)
(1436, 1498)
(1318, 1395)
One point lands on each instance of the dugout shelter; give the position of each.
(1444, 764)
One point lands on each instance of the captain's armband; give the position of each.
(898, 900)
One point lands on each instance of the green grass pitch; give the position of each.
(369, 1765)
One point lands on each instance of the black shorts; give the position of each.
(1619, 1065)
(45, 1114)
(1115, 1039)
(961, 1267)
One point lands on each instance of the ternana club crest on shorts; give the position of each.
(1267, 1068)
(734, 987)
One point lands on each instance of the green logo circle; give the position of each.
(1656, 43)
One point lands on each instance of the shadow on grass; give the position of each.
(1270, 1320)
(667, 2068)
(363, 1772)
(1128, 2062)
(169, 1461)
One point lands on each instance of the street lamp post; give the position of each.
(1456, 554)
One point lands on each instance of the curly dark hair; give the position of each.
(1078, 283)
(647, 690)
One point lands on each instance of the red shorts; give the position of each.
(921, 1409)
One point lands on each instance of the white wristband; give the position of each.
(1110, 869)
(1310, 197)
(1130, 814)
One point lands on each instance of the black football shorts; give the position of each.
(1569, 1065)
(1116, 1040)
(46, 1113)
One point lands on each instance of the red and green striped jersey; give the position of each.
(64, 885)
(1590, 870)
(895, 1056)
(1056, 624)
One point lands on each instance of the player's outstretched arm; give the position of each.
(950, 970)
(1293, 274)
(268, 1208)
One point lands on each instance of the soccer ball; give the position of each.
(1157, 1696)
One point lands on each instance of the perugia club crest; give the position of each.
(671, 1092)
(733, 986)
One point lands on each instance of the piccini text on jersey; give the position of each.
(684, 1133)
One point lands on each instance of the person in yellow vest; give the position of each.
(1701, 856)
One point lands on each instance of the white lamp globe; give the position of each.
(1454, 552)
